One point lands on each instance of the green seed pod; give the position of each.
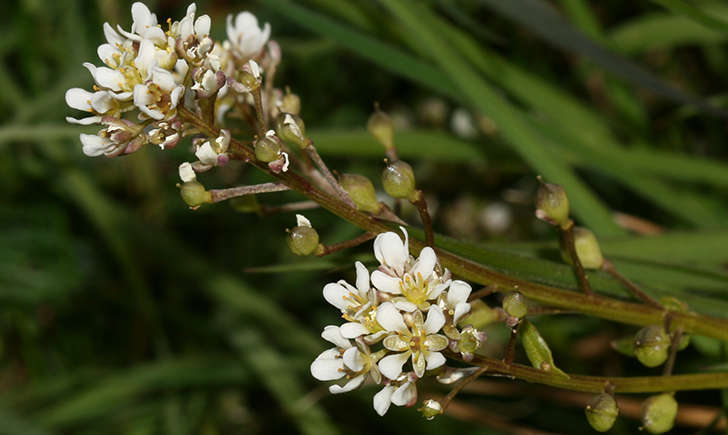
(587, 249)
(248, 80)
(537, 350)
(469, 341)
(398, 180)
(291, 103)
(291, 128)
(658, 413)
(601, 412)
(268, 149)
(194, 194)
(514, 304)
(361, 191)
(430, 409)
(624, 345)
(552, 204)
(380, 126)
(651, 345)
(302, 240)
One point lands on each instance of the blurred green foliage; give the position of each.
(121, 311)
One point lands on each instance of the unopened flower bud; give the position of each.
(268, 148)
(514, 304)
(651, 345)
(601, 412)
(194, 194)
(361, 191)
(291, 128)
(398, 180)
(470, 340)
(291, 103)
(552, 204)
(430, 409)
(303, 238)
(658, 413)
(380, 126)
(587, 249)
(249, 82)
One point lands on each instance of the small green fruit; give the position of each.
(514, 304)
(658, 413)
(361, 191)
(302, 240)
(398, 180)
(552, 204)
(651, 345)
(194, 194)
(601, 412)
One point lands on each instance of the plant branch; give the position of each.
(567, 240)
(608, 267)
(421, 205)
(328, 249)
(219, 195)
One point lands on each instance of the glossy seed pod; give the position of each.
(398, 180)
(302, 240)
(552, 204)
(194, 194)
(658, 413)
(651, 345)
(514, 304)
(601, 412)
(361, 191)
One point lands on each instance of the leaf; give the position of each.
(680, 7)
(515, 129)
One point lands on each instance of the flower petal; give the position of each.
(390, 251)
(202, 26)
(435, 320)
(460, 310)
(337, 295)
(425, 264)
(327, 369)
(391, 365)
(353, 359)
(163, 78)
(332, 334)
(94, 145)
(106, 53)
(436, 342)
(84, 121)
(112, 37)
(386, 283)
(404, 395)
(389, 317)
(395, 343)
(106, 77)
(383, 399)
(404, 305)
(206, 154)
(434, 360)
(419, 364)
(79, 99)
(458, 293)
(353, 330)
(332, 353)
(362, 278)
(353, 384)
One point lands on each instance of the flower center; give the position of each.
(415, 288)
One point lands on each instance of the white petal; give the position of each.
(186, 26)
(391, 365)
(351, 385)
(327, 369)
(206, 154)
(175, 96)
(386, 283)
(389, 317)
(84, 121)
(460, 310)
(458, 293)
(437, 289)
(79, 99)
(425, 264)
(405, 394)
(202, 26)
(142, 96)
(301, 221)
(383, 399)
(112, 37)
(106, 77)
(186, 173)
(332, 353)
(146, 58)
(156, 34)
(94, 146)
(390, 251)
(353, 359)
(404, 305)
(337, 296)
(434, 360)
(163, 79)
(142, 16)
(435, 320)
(332, 334)
(362, 278)
(353, 330)
(106, 53)
(152, 113)
(102, 101)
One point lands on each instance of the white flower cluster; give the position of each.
(409, 308)
(150, 72)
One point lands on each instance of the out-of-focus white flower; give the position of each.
(245, 36)
(462, 124)
(421, 340)
(399, 274)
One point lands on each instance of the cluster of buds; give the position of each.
(400, 318)
(151, 71)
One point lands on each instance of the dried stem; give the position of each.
(608, 267)
(219, 195)
(567, 240)
(460, 385)
(593, 305)
(674, 344)
(260, 115)
(318, 161)
(421, 205)
(328, 249)
(511, 347)
(291, 206)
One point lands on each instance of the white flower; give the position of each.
(245, 35)
(144, 25)
(421, 341)
(401, 393)
(398, 273)
(94, 145)
(357, 305)
(213, 153)
(356, 363)
(455, 301)
(186, 173)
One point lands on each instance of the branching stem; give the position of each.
(219, 195)
(608, 267)
(328, 249)
(567, 240)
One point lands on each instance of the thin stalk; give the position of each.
(483, 292)
(592, 305)
(328, 249)
(291, 206)
(608, 267)
(460, 385)
(318, 161)
(595, 384)
(421, 205)
(511, 347)
(567, 240)
(219, 195)
(260, 115)
(674, 343)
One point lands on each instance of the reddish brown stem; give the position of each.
(328, 249)
(219, 195)
(421, 205)
(567, 240)
(608, 267)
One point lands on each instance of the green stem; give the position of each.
(593, 305)
(596, 384)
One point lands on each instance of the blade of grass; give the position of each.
(679, 7)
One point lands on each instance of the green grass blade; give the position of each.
(679, 7)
